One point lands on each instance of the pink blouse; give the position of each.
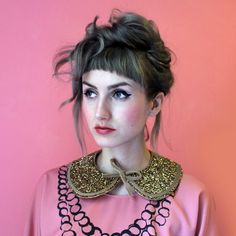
(56, 210)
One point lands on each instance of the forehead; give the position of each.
(107, 78)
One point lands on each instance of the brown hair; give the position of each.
(129, 45)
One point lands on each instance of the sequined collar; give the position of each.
(160, 179)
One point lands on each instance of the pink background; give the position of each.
(199, 117)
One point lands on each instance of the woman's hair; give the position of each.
(131, 46)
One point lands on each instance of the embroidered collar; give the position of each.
(159, 180)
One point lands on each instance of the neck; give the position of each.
(130, 157)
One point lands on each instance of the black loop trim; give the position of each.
(154, 215)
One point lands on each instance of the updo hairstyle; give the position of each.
(129, 45)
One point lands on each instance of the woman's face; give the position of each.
(115, 107)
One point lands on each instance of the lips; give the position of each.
(104, 130)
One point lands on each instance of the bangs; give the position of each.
(123, 61)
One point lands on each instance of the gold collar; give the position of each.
(159, 180)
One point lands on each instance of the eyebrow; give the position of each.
(110, 86)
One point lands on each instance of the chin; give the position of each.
(109, 143)
(106, 145)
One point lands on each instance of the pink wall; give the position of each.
(199, 118)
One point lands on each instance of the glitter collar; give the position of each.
(157, 181)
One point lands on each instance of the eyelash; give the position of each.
(120, 92)
(88, 92)
(117, 94)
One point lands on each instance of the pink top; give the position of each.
(57, 210)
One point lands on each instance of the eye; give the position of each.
(89, 93)
(120, 94)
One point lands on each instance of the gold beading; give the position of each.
(159, 180)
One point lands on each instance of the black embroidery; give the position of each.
(153, 216)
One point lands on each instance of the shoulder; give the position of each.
(194, 198)
(191, 184)
(51, 178)
(50, 175)
(187, 186)
(54, 175)
(193, 208)
(191, 190)
(48, 185)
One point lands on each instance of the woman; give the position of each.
(120, 75)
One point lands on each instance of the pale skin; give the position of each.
(120, 105)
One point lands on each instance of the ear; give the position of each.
(156, 104)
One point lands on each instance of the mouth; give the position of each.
(104, 130)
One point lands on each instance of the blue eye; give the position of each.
(120, 94)
(89, 93)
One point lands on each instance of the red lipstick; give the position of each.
(104, 130)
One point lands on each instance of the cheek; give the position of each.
(134, 115)
(86, 111)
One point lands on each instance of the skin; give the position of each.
(119, 103)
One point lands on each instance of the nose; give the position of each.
(102, 110)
